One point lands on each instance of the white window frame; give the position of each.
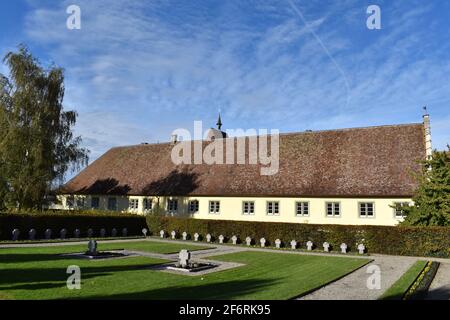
(403, 204)
(196, 206)
(147, 204)
(133, 204)
(273, 208)
(333, 205)
(172, 205)
(366, 209)
(248, 208)
(301, 205)
(214, 207)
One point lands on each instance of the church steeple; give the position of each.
(219, 123)
(217, 133)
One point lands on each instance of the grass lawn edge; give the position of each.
(400, 287)
(331, 281)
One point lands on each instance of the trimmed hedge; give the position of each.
(70, 221)
(412, 241)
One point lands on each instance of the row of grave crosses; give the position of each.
(248, 240)
(63, 234)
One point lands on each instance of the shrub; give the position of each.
(57, 220)
(414, 241)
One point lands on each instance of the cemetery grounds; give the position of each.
(40, 272)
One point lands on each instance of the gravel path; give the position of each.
(354, 286)
(440, 287)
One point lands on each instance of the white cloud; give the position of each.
(98, 129)
(139, 70)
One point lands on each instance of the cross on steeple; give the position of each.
(219, 123)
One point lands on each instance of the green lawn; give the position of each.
(38, 273)
(149, 246)
(399, 288)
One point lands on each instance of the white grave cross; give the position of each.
(293, 244)
(184, 257)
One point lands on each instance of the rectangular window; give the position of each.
(133, 204)
(112, 204)
(398, 211)
(302, 209)
(147, 204)
(172, 205)
(248, 207)
(273, 208)
(214, 207)
(366, 209)
(95, 202)
(70, 201)
(193, 206)
(333, 209)
(80, 203)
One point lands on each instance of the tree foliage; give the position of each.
(37, 146)
(432, 198)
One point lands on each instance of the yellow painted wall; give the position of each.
(231, 209)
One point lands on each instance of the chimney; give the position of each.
(174, 139)
(427, 130)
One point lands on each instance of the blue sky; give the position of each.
(137, 70)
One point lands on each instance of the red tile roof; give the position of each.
(371, 162)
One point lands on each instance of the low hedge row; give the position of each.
(70, 221)
(412, 241)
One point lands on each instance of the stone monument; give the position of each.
(48, 234)
(361, 248)
(262, 241)
(32, 234)
(293, 244)
(15, 234)
(278, 243)
(183, 258)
